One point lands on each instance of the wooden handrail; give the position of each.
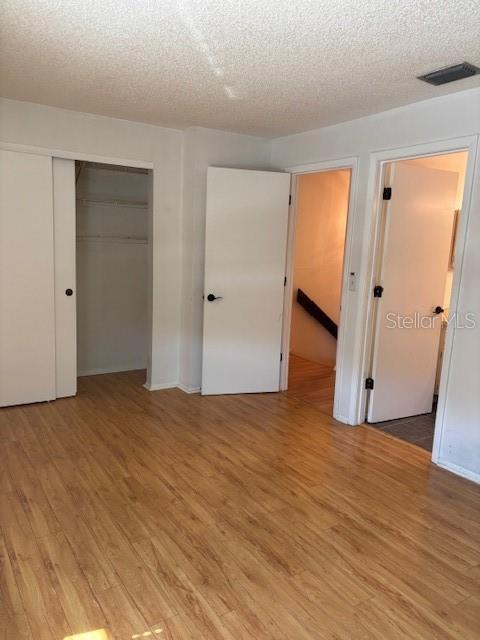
(316, 312)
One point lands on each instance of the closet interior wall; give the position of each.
(112, 267)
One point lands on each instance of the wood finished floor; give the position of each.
(311, 382)
(237, 517)
(314, 383)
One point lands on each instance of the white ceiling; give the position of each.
(267, 67)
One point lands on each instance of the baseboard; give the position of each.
(159, 387)
(118, 369)
(186, 389)
(171, 385)
(459, 471)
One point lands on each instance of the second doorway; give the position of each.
(414, 272)
(321, 211)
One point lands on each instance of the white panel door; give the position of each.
(27, 306)
(65, 283)
(246, 240)
(418, 231)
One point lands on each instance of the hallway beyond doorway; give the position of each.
(312, 382)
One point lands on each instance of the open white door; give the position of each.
(416, 249)
(27, 305)
(246, 240)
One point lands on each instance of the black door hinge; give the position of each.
(285, 281)
(369, 383)
(281, 357)
(378, 291)
(290, 199)
(387, 193)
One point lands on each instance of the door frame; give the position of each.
(123, 162)
(74, 155)
(378, 164)
(327, 166)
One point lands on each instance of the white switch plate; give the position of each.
(352, 281)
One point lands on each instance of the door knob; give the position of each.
(68, 292)
(211, 297)
(438, 310)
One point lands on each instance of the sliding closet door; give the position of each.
(27, 305)
(65, 280)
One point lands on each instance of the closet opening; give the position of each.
(113, 265)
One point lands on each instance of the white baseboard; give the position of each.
(117, 369)
(186, 389)
(459, 471)
(171, 385)
(159, 387)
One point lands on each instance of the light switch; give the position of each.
(352, 281)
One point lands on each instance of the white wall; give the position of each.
(442, 118)
(204, 148)
(77, 135)
(179, 161)
(320, 222)
(112, 269)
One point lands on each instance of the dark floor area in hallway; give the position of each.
(417, 430)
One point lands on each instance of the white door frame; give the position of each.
(123, 162)
(74, 155)
(318, 167)
(378, 163)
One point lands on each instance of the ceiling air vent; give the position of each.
(450, 74)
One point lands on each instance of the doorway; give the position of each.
(420, 212)
(112, 267)
(320, 222)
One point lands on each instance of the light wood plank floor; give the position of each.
(311, 382)
(238, 517)
(314, 383)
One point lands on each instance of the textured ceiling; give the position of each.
(268, 67)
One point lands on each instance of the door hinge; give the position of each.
(387, 193)
(290, 199)
(285, 281)
(378, 291)
(369, 384)
(281, 357)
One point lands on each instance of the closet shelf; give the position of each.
(113, 239)
(116, 202)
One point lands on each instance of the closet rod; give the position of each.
(139, 204)
(112, 239)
